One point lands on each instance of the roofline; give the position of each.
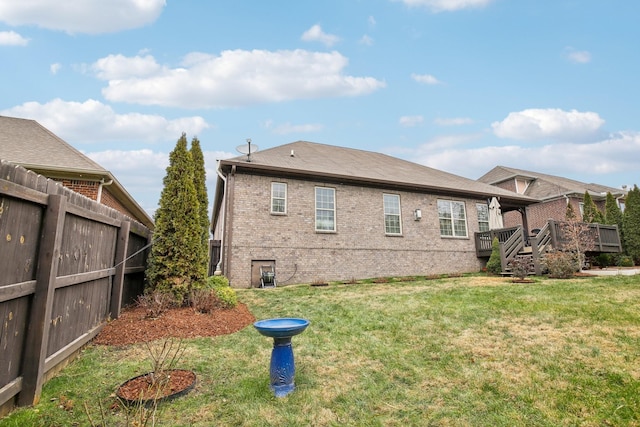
(119, 192)
(512, 176)
(516, 199)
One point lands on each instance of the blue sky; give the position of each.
(459, 85)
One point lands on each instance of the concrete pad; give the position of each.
(613, 272)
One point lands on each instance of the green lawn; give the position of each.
(467, 351)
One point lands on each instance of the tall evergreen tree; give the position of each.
(631, 224)
(199, 179)
(177, 235)
(590, 212)
(613, 214)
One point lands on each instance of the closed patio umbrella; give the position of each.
(495, 215)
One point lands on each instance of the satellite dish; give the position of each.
(247, 149)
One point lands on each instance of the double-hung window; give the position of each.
(483, 216)
(325, 209)
(278, 198)
(453, 218)
(392, 221)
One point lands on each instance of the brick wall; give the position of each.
(86, 188)
(109, 200)
(358, 249)
(90, 189)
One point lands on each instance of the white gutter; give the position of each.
(218, 271)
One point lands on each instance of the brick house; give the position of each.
(322, 213)
(28, 144)
(553, 194)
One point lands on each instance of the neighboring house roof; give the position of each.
(322, 162)
(29, 144)
(544, 187)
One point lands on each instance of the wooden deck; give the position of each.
(514, 241)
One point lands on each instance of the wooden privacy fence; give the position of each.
(67, 264)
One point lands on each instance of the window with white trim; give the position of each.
(278, 198)
(325, 209)
(483, 216)
(392, 220)
(453, 218)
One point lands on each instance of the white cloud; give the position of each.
(141, 171)
(446, 5)
(588, 162)
(92, 121)
(577, 56)
(114, 67)
(366, 40)
(232, 79)
(288, 128)
(82, 16)
(11, 38)
(315, 34)
(54, 68)
(556, 124)
(456, 121)
(372, 21)
(427, 79)
(410, 121)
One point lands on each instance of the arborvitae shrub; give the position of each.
(494, 265)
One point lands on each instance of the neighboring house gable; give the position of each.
(32, 146)
(320, 213)
(553, 193)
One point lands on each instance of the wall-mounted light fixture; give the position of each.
(417, 215)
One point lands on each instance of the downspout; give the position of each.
(230, 201)
(218, 271)
(100, 185)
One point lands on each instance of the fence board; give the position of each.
(13, 317)
(58, 252)
(37, 330)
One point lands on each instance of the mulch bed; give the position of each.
(134, 327)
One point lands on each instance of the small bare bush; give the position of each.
(560, 264)
(155, 303)
(204, 300)
(521, 266)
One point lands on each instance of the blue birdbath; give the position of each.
(282, 368)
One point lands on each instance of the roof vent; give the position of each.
(293, 153)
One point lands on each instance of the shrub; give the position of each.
(494, 265)
(225, 294)
(521, 266)
(214, 282)
(156, 302)
(227, 297)
(204, 300)
(603, 260)
(561, 265)
(625, 261)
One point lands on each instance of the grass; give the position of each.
(462, 351)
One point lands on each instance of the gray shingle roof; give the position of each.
(366, 167)
(546, 186)
(29, 144)
(26, 142)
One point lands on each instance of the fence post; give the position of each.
(37, 336)
(118, 280)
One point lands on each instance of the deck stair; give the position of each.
(515, 243)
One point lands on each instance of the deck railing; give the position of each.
(513, 240)
(484, 239)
